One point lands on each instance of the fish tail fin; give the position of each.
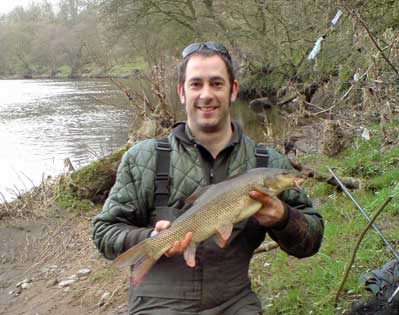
(138, 257)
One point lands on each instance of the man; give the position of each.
(206, 149)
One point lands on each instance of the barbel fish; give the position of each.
(212, 211)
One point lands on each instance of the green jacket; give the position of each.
(128, 217)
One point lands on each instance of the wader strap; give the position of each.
(262, 156)
(162, 173)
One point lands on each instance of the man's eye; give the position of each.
(195, 84)
(218, 84)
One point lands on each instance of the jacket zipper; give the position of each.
(208, 176)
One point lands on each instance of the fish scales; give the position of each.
(223, 206)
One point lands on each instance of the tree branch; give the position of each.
(351, 11)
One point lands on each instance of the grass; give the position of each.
(127, 69)
(287, 285)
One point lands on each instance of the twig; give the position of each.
(353, 12)
(266, 248)
(357, 247)
(325, 110)
(4, 199)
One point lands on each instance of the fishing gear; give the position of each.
(345, 190)
(364, 213)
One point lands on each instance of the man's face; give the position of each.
(207, 94)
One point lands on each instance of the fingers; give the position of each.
(162, 225)
(272, 210)
(159, 226)
(180, 246)
(264, 198)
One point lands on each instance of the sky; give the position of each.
(7, 5)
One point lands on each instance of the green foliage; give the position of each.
(87, 186)
(364, 161)
(380, 166)
(345, 76)
(126, 70)
(64, 71)
(66, 199)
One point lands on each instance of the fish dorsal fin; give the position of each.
(223, 233)
(190, 200)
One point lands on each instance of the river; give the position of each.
(43, 122)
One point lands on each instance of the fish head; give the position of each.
(278, 180)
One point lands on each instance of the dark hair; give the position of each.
(205, 52)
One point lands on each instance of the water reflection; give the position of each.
(42, 122)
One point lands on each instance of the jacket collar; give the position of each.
(183, 133)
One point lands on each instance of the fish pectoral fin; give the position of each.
(189, 254)
(223, 233)
(225, 230)
(220, 241)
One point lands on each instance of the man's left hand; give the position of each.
(272, 211)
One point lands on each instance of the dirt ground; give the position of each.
(44, 252)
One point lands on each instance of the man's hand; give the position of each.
(272, 211)
(179, 246)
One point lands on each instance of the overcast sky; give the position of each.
(7, 5)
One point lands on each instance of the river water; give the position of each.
(43, 122)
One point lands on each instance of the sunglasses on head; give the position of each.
(192, 48)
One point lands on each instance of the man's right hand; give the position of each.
(179, 246)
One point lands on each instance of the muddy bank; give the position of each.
(39, 255)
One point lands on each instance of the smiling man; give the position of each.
(207, 93)
(155, 176)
